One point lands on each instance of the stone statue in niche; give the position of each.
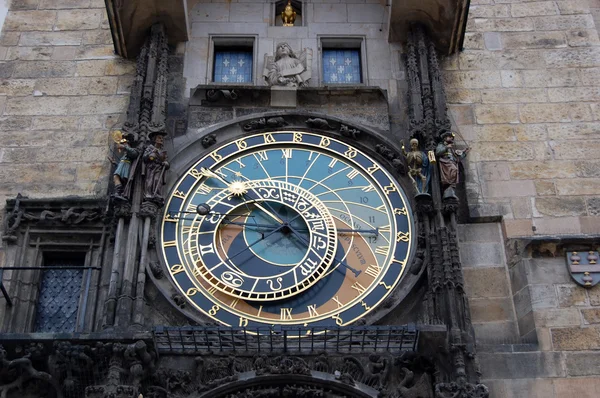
(449, 159)
(418, 166)
(155, 167)
(288, 69)
(125, 170)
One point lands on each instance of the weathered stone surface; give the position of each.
(37, 69)
(30, 20)
(530, 388)
(473, 79)
(16, 87)
(594, 295)
(502, 151)
(103, 85)
(534, 9)
(515, 228)
(65, 123)
(481, 254)
(573, 58)
(545, 187)
(502, 189)
(64, 86)
(578, 186)
(59, 4)
(511, 78)
(486, 282)
(563, 22)
(540, 113)
(574, 94)
(521, 365)
(577, 387)
(484, 232)
(50, 38)
(37, 106)
(571, 295)
(589, 225)
(491, 310)
(551, 78)
(500, 25)
(534, 40)
(513, 95)
(576, 338)
(591, 315)
(79, 19)
(581, 38)
(561, 206)
(491, 11)
(575, 131)
(538, 170)
(582, 364)
(496, 114)
(495, 332)
(557, 317)
(556, 226)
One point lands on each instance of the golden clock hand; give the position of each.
(209, 173)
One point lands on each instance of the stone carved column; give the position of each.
(143, 198)
(446, 302)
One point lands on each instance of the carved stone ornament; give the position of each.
(287, 68)
(209, 140)
(318, 123)
(272, 122)
(584, 267)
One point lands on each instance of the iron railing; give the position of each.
(199, 339)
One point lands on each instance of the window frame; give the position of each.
(240, 41)
(328, 42)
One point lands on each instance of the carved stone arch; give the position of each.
(315, 385)
(381, 146)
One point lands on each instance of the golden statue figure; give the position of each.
(288, 15)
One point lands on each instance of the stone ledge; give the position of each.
(521, 365)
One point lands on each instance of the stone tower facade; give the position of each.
(520, 81)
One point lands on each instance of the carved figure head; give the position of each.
(284, 50)
(414, 144)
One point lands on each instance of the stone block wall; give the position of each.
(61, 90)
(525, 95)
(538, 332)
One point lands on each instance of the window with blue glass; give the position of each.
(232, 66)
(341, 66)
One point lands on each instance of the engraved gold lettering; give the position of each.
(243, 322)
(169, 218)
(387, 287)
(331, 164)
(402, 236)
(402, 263)
(179, 194)
(241, 144)
(338, 320)
(389, 189)
(367, 308)
(234, 302)
(324, 142)
(213, 311)
(216, 156)
(169, 243)
(177, 268)
(400, 212)
(191, 291)
(269, 139)
(312, 310)
(297, 137)
(286, 153)
(204, 189)
(373, 169)
(262, 155)
(350, 153)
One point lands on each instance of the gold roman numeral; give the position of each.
(373, 270)
(286, 314)
(312, 310)
(383, 250)
(359, 288)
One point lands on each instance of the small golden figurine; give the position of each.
(288, 15)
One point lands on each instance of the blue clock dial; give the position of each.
(303, 229)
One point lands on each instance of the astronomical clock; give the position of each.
(286, 228)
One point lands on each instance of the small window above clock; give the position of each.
(233, 60)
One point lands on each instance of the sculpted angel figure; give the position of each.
(418, 166)
(287, 69)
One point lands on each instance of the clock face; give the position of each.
(300, 229)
